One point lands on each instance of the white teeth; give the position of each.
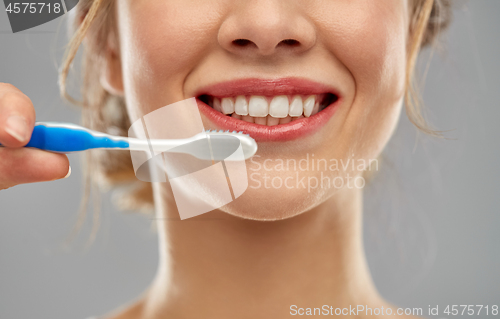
(217, 105)
(227, 105)
(272, 120)
(287, 119)
(279, 107)
(315, 109)
(297, 118)
(309, 105)
(296, 107)
(247, 118)
(241, 105)
(258, 110)
(258, 106)
(261, 120)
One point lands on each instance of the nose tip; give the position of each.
(266, 30)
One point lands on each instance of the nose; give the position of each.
(266, 27)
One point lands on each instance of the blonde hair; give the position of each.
(94, 20)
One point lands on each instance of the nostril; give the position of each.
(241, 42)
(290, 42)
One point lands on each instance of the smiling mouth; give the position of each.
(269, 110)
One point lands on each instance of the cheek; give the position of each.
(369, 38)
(161, 42)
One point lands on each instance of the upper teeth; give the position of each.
(258, 106)
(241, 105)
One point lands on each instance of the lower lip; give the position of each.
(262, 133)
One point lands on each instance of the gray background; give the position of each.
(431, 226)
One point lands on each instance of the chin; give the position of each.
(276, 203)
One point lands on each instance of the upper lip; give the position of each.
(266, 87)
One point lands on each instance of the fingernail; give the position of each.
(69, 173)
(17, 127)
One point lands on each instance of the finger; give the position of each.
(17, 116)
(29, 165)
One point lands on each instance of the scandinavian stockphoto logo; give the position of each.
(203, 177)
(25, 15)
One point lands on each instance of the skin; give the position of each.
(22, 165)
(229, 263)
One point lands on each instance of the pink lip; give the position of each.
(262, 133)
(286, 86)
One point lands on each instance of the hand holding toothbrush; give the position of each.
(18, 164)
(18, 129)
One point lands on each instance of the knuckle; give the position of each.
(7, 163)
(4, 186)
(7, 86)
(14, 99)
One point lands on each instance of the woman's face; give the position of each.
(269, 57)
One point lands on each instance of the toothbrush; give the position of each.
(209, 145)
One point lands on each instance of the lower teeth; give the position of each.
(268, 120)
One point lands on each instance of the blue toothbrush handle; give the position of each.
(67, 138)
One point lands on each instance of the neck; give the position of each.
(227, 267)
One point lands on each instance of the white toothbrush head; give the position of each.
(208, 145)
(222, 141)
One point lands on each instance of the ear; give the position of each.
(111, 73)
